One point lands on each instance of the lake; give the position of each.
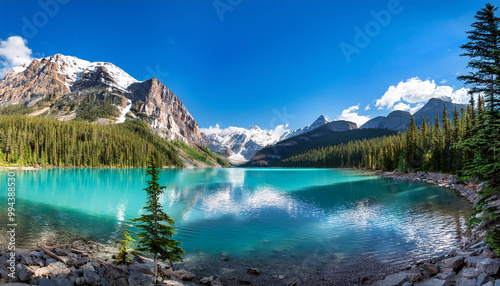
(230, 219)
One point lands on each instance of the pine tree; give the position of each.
(157, 228)
(483, 49)
(123, 256)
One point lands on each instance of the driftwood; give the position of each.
(64, 260)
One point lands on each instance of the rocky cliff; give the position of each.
(64, 82)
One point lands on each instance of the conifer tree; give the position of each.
(123, 256)
(156, 227)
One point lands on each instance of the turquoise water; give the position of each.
(247, 213)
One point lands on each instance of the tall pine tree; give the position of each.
(157, 228)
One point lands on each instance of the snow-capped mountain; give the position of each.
(72, 82)
(240, 144)
(317, 123)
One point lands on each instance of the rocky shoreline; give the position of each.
(87, 263)
(473, 263)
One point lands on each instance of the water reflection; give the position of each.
(248, 212)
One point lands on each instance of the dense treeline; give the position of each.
(426, 147)
(50, 142)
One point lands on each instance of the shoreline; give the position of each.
(471, 263)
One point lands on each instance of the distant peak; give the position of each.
(441, 98)
(254, 127)
(321, 120)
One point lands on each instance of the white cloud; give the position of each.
(350, 114)
(416, 91)
(13, 52)
(401, 106)
(367, 107)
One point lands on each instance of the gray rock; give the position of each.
(140, 279)
(183, 275)
(489, 266)
(253, 271)
(472, 261)
(112, 273)
(497, 282)
(23, 273)
(481, 278)
(91, 277)
(446, 270)
(142, 268)
(433, 282)
(489, 284)
(216, 282)
(119, 282)
(60, 281)
(465, 282)
(430, 268)
(468, 272)
(454, 262)
(206, 280)
(393, 280)
(46, 282)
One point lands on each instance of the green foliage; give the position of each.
(123, 256)
(426, 148)
(15, 109)
(50, 142)
(156, 227)
(201, 154)
(482, 143)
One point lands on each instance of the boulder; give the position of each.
(142, 268)
(465, 282)
(60, 281)
(23, 273)
(393, 280)
(253, 271)
(430, 268)
(472, 261)
(91, 277)
(481, 278)
(433, 282)
(454, 262)
(488, 265)
(468, 272)
(207, 280)
(140, 279)
(46, 282)
(183, 275)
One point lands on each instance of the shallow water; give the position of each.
(280, 215)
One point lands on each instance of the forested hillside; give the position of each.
(427, 147)
(50, 142)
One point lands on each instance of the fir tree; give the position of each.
(157, 228)
(123, 256)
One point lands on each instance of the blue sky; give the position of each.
(263, 62)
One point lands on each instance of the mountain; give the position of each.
(240, 144)
(399, 120)
(332, 133)
(373, 123)
(396, 120)
(320, 121)
(435, 107)
(67, 80)
(68, 88)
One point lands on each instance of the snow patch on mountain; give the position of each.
(240, 144)
(73, 68)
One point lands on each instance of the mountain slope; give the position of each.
(63, 83)
(332, 133)
(435, 107)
